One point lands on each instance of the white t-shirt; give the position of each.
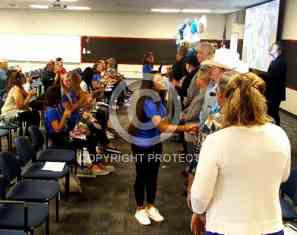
(84, 86)
(27, 87)
(238, 179)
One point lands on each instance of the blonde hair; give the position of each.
(245, 103)
(208, 47)
(224, 80)
(203, 75)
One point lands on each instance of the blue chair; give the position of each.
(18, 215)
(33, 170)
(27, 190)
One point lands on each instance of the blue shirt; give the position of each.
(148, 133)
(147, 68)
(52, 114)
(96, 77)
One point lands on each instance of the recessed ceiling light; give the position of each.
(78, 8)
(164, 10)
(196, 10)
(60, 1)
(39, 6)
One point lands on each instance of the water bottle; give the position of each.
(84, 156)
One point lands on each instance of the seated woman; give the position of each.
(72, 98)
(56, 118)
(241, 167)
(56, 123)
(76, 100)
(99, 72)
(86, 80)
(17, 102)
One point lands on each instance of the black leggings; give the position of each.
(147, 168)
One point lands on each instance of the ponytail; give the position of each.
(245, 103)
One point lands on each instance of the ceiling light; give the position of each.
(39, 6)
(60, 1)
(196, 11)
(78, 8)
(166, 10)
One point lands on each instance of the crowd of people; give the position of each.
(67, 107)
(228, 123)
(230, 127)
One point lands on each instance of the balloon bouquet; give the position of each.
(189, 32)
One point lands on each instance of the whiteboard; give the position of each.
(20, 47)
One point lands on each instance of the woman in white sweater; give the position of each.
(241, 167)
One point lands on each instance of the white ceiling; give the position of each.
(218, 6)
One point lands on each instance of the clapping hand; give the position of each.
(32, 92)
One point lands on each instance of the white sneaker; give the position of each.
(154, 214)
(142, 217)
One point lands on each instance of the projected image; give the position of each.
(261, 25)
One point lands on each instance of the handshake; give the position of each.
(192, 128)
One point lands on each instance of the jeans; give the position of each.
(147, 169)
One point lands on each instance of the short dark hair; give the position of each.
(146, 56)
(59, 59)
(53, 96)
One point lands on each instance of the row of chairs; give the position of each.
(26, 189)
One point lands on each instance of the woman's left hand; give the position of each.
(198, 224)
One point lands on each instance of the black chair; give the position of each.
(52, 154)
(290, 187)
(11, 232)
(288, 210)
(33, 170)
(18, 215)
(27, 190)
(289, 190)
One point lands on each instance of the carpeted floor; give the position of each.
(107, 205)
